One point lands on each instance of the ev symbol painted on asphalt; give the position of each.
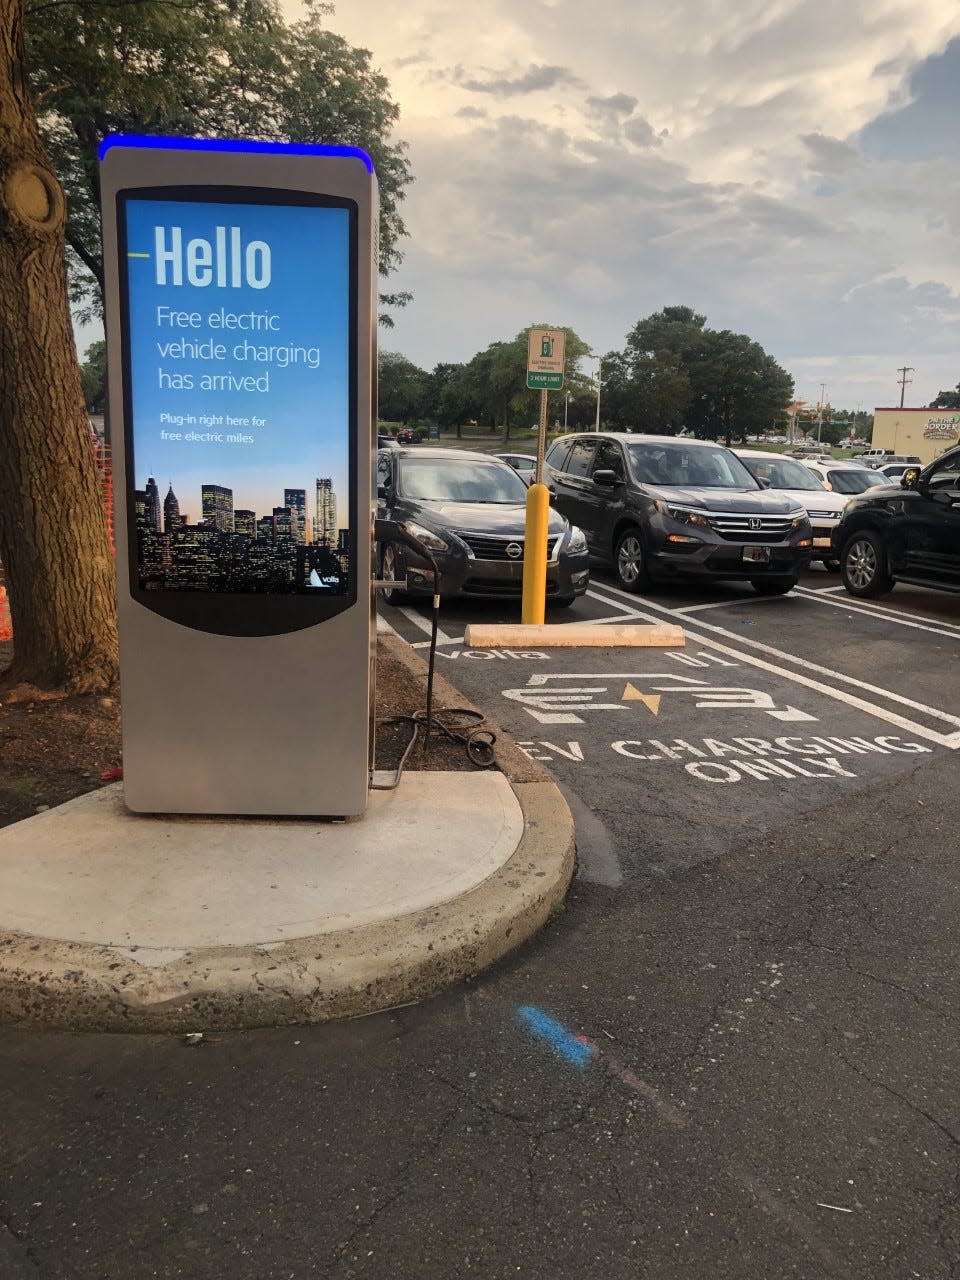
(550, 698)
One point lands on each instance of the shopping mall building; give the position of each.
(925, 432)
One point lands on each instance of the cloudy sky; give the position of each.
(787, 167)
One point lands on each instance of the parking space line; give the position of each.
(949, 740)
(725, 604)
(883, 612)
(426, 626)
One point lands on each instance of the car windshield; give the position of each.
(460, 480)
(782, 473)
(854, 480)
(681, 465)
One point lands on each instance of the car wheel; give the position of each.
(773, 586)
(391, 568)
(629, 561)
(863, 566)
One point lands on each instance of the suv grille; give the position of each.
(494, 546)
(746, 528)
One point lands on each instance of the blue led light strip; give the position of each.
(234, 144)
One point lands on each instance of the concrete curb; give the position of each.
(355, 971)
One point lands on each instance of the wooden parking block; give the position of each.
(573, 635)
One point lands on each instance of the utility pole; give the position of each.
(904, 380)
(823, 387)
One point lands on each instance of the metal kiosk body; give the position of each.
(241, 319)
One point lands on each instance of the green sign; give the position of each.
(544, 381)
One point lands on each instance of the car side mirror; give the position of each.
(606, 479)
(764, 484)
(909, 479)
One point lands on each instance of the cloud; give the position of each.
(787, 168)
(534, 80)
(829, 155)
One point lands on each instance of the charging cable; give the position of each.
(460, 724)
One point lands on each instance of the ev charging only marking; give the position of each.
(563, 704)
(653, 612)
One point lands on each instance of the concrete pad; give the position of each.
(573, 635)
(91, 871)
(112, 921)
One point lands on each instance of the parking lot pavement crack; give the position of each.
(947, 1014)
(400, 1187)
(536, 1121)
(943, 1129)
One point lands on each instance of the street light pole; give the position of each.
(599, 360)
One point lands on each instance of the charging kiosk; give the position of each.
(240, 293)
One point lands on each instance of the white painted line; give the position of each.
(882, 613)
(725, 604)
(425, 644)
(425, 625)
(384, 625)
(952, 741)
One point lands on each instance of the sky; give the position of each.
(788, 168)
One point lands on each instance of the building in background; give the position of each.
(325, 521)
(924, 432)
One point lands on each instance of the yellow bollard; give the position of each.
(535, 554)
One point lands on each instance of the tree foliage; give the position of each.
(93, 375)
(489, 389)
(227, 68)
(676, 372)
(947, 399)
(403, 389)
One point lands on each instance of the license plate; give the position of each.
(756, 555)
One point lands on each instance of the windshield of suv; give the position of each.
(460, 480)
(676, 464)
(781, 473)
(854, 480)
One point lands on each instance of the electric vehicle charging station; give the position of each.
(240, 307)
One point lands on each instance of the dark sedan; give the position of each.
(469, 509)
(658, 507)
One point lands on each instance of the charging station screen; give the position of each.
(239, 318)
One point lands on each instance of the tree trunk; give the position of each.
(53, 539)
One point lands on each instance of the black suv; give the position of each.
(664, 507)
(904, 533)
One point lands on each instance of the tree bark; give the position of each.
(53, 539)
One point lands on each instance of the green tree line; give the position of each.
(673, 372)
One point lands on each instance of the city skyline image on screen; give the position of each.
(238, 352)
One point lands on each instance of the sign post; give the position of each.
(240, 318)
(545, 352)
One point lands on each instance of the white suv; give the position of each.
(796, 480)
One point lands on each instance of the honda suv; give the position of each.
(660, 507)
(908, 532)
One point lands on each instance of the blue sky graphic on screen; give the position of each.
(239, 344)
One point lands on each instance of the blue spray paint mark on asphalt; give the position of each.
(576, 1051)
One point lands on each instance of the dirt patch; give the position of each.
(54, 747)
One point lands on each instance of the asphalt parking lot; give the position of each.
(774, 707)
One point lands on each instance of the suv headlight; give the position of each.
(798, 518)
(577, 542)
(683, 515)
(426, 536)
